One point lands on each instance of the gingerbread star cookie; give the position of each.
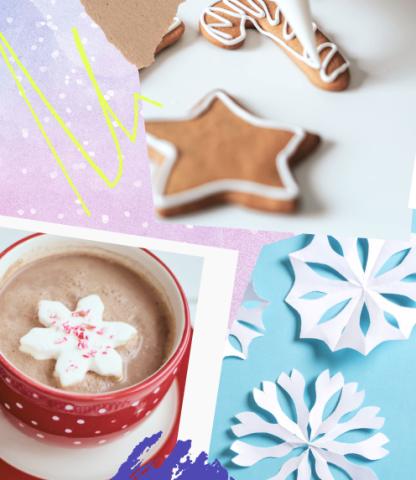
(173, 35)
(225, 24)
(221, 153)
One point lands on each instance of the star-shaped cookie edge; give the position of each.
(166, 204)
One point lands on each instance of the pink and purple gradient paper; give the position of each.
(33, 185)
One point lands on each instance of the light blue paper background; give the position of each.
(388, 374)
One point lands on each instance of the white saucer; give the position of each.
(102, 462)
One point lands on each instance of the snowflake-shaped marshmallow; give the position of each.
(354, 293)
(315, 434)
(80, 341)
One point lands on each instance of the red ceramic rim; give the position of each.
(157, 377)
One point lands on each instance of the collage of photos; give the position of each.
(207, 227)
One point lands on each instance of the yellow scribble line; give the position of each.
(109, 115)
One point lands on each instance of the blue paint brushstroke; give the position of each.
(178, 463)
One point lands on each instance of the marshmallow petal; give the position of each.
(42, 343)
(108, 363)
(71, 368)
(50, 312)
(119, 333)
(95, 308)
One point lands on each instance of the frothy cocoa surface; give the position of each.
(127, 295)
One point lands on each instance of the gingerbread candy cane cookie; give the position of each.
(225, 24)
(221, 153)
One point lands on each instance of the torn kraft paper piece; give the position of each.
(135, 27)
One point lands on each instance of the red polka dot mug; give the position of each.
(73, 418)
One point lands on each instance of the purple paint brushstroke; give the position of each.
(178, 465)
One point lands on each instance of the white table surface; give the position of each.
(187, 268)
(358, 181)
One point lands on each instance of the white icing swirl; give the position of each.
(254, 10)
(79, 341)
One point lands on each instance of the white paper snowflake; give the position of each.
(246, 327)
(313, 439)
(354, 293)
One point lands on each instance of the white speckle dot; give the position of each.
(35, 395)
(156, 391)
(62, 95)
(20, 212)
(139, 411)
(41, 39)
(175, 371)
(145, 224)
(40, 435)
(124, 427)
(55, 418)
(134, 404)
(53, 175)
(34, 47)
(8, 380)
(80, 421)
(43, 69)
(127, 214)
(155, 401)
(113, 420)
(69, 408)
(80, 211)
(91, 154)
(97, 432)
(34, 422)
(21, 425)
(68, 430)
(33, 211)
(102, 410)
(60, 216)
(9, 20)
(68, 110)
(25, 133)
(55, 54)
(105, 219)
(102, 441)
(77, 442)
(19, 405)
(7, 406)
(190, 227)
(137, 183)
(89, 108)
(148, 413)
(47, 119)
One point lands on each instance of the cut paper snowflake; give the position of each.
(80, 341)
(247, 327)
(354, 293)
(314, 438)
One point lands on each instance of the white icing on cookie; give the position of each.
(252, 12)
(177, 22)
(161, 173)
(80, 341)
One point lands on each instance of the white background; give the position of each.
(358, 181)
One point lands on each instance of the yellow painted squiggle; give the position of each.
(110, 117)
